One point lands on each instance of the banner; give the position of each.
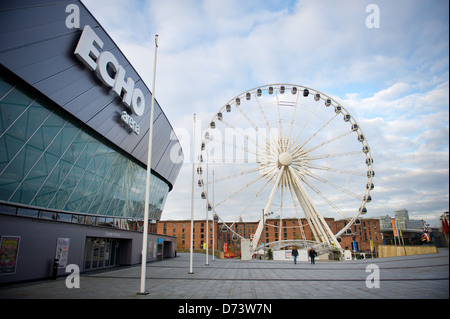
(395, 227)
(399, 229)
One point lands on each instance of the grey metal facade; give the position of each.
(36, 45)
(69, 167)
(38, 242)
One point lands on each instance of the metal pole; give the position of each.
(142, 290)
(264, 235)
(207, 207)
(191, 271)
(214, 232)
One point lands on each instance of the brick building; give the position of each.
(182, 230)
(362, 233)
(287, 229)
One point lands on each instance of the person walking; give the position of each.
(312, 254)
(295, 254)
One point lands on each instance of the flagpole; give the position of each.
(214, 226)
(191, 271)
(207, 208)
(142, 290)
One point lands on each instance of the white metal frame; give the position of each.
(279, 165)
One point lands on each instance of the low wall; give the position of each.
(393, 251)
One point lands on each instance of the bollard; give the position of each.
(55, 268)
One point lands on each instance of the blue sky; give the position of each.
(393, 79)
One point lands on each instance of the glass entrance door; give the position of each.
(101, 253)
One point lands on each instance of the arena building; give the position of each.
(74, 127)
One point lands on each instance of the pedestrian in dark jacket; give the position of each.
(295, 254)
(312, 254)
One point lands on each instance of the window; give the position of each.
(7, 210)
(50, 159)
(27, 212)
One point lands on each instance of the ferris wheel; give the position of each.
(290, 151)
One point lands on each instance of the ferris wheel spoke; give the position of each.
(238, 191)
(263, 113)
(238, 149)
(327, 182)
(300, 147)
(292, 123)
(300, 151)
(280, 126)
(256, 129)
(256, 132)
(297, 140)
(240, 174)
(335, 170)
(253, 199)
(334, 155)
(324, 197)
(229, 125)
(259, 146)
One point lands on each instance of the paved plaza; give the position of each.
(407, 277)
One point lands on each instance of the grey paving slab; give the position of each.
(407, 277)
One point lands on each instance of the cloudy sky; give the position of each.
(392, 76)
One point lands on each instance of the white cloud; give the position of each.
(393, 80)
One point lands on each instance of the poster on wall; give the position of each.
(62, 251)
(9, 250)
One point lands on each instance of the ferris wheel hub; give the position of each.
(285, 159)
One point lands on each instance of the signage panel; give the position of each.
(112, 74)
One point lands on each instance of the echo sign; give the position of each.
(110, 72)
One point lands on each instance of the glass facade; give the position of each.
(51, 160)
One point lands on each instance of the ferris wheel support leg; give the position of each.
(309, 209)
(260, 227)
(318, 219)
(305, 207)
(315, 225)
